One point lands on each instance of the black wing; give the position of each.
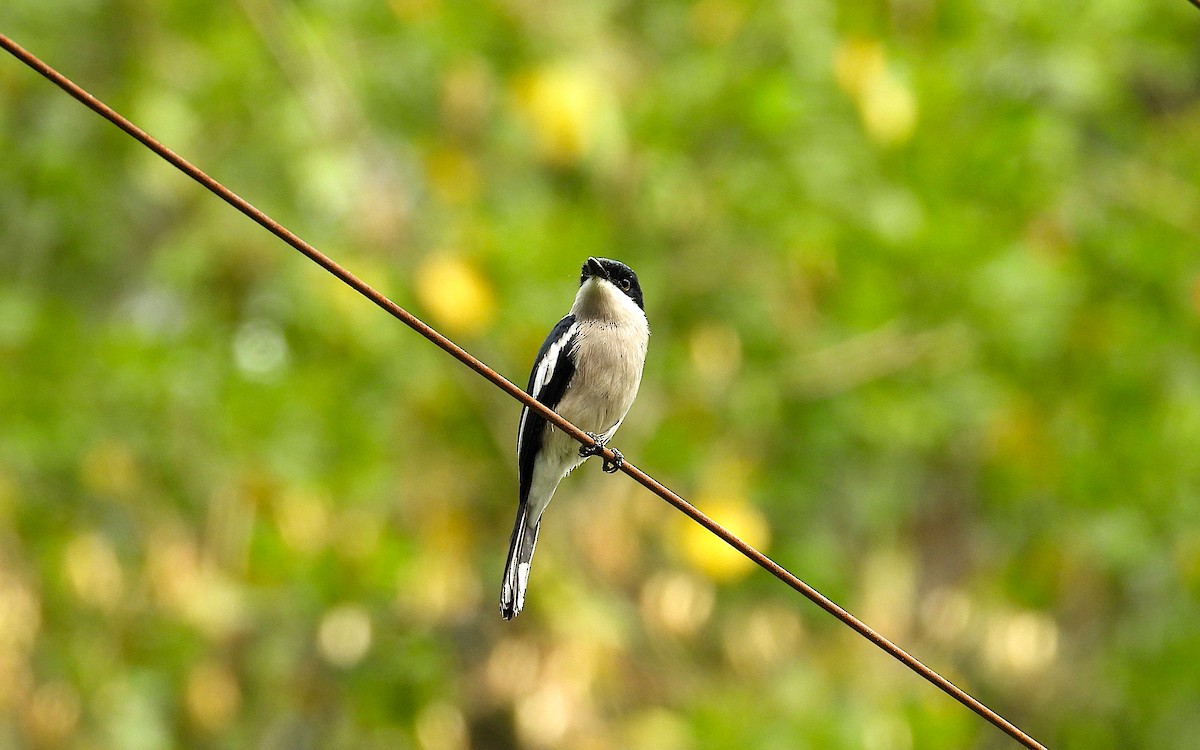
(552, 372)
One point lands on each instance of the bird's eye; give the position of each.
(624, 284)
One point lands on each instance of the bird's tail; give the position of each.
(516, 570)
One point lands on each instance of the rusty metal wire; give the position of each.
(516, 392)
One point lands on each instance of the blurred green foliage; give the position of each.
(925, 297)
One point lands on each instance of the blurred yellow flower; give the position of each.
(456, 294)
(888, 110)
(887, 107)
(723, 497)
(569, 109)
(714, 557)
(857, 63)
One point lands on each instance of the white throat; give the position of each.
(599, 299)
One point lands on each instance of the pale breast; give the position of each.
(609, 361)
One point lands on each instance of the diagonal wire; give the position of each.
(516, 392)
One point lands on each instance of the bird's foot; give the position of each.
(613, 466)
(587, 451)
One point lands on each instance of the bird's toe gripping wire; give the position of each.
(588, 451)
(613, 466)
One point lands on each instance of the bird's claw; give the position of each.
(613, 466)
(587, 451)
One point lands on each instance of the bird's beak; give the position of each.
(594, 268)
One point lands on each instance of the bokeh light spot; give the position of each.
(569, 111)
(512, 667)
(657, 729)
(53, 713)
(1021, 643)
(887, 107)
(212, 695)
(678, 603)
(764, 638)
(723, 496)
(453, 175)
(441, 726)
(20, 615)
(714, 557)
(458, 297)
(544, 716)
(303, 519)
(93, 570)
(344, 635)
(259, 350)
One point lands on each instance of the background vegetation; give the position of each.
(925, 297)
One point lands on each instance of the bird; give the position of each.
(588, 370)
